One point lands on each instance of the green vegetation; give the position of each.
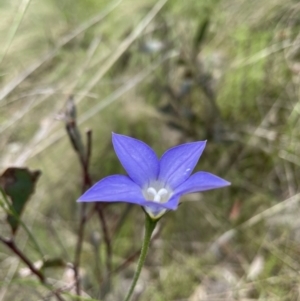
(164, 72)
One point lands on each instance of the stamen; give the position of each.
(162, 191)
(157, 195)
(152, 191)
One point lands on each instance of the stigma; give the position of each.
(157, 195)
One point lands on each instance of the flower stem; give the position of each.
(149, 227)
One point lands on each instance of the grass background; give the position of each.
(165, 72)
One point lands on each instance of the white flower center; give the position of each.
(157, 193)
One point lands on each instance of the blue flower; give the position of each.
(155, 184)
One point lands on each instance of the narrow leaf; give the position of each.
(201, 33)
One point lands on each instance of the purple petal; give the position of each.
(173, 202)
(200, 181)
(177, 164)
(116, 188)
(138, 159)
(119, 188)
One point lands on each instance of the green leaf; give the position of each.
(201, 33)
(18, 184)
(53, 263)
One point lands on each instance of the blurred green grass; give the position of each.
(249, 57)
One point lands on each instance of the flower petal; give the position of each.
(172, 203)
(156, 210)
(138, 159)
(119, 188)
(200, 181)
(116, 188)
(177, 164)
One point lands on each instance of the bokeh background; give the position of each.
(165, 72)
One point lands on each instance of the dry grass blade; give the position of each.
(262, 54)
(228, 235)
(51, 139)
(106, 67)
(123, 47)
(18, 19)
(8, 88)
